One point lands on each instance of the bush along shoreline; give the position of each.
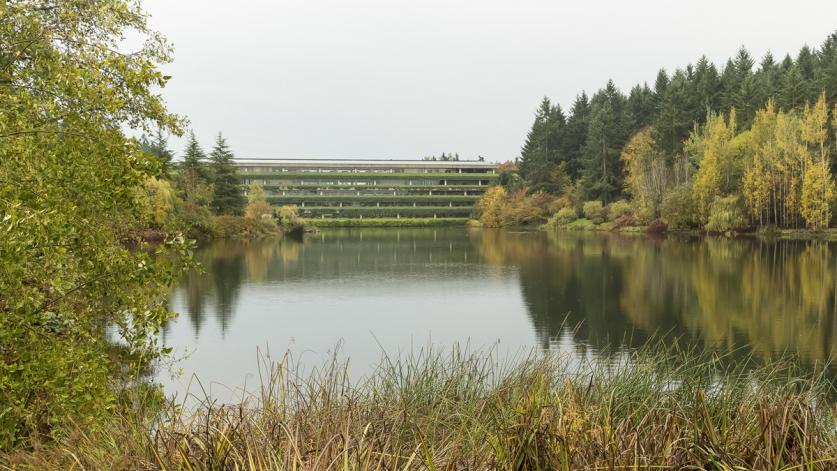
(653, 408)
(520, 207)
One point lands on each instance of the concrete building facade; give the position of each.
(348, 188)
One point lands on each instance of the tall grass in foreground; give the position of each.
(468, 410)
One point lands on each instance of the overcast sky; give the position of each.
(405, 79)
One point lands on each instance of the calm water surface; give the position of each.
(366, 291)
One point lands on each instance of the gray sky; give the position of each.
(404, 79)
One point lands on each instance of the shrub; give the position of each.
(194, 219)
(510, 180)
(500, 208)
(255, 192)
(594, 211)
(564, 216)
(563, 201)
(678, 210)
(657, 226)
(626, 220)
(521, 209)
(237, 227)
(490, 204)
(257, 209)
(618, 209)
(155, 203)
(643, 215)
(726, 214)
(289, 219)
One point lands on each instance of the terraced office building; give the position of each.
(372, 188)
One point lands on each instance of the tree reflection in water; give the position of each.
(771, 296)
(620, 290)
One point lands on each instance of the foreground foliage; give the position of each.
(79, 312)
(473, 411)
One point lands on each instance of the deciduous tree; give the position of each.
(646, 173)
(79, 312)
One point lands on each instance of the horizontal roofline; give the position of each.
(365, 162)
(268, 159)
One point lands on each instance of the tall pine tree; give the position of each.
(541, 150)
(157, 147)
(706, 88)
(608, 131)
(192, 176)
(676, 114)
(228, 196)
(575, 135)
(194, 156)
(641, 103)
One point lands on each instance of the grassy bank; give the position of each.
(472, 411)
(386, 222)
(238, 227)
(798, 234)
(583, 224)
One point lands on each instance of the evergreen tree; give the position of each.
(157, 147)
(743, 64)
(541, 149)
(807, 63)
(194, 156)
(192, 176)
(228, 196)
(729, 84)
(575, 135)
(676, 113)
(747, 101)
(826, 77)
(793, 90)
(660, 84)
(768, 78)
(608, 131)
(641, 106)
(706, 88)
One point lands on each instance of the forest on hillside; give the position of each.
(719, 147)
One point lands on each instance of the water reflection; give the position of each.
(524, 288)
(771, 296)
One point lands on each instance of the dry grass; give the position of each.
(462, 410)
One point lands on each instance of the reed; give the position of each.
(656, 408)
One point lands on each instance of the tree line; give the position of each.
(449, 157)
(207, 180)
(202, 194)
(753, 141)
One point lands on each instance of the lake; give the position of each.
(367, 291)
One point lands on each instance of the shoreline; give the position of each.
(585, 225)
